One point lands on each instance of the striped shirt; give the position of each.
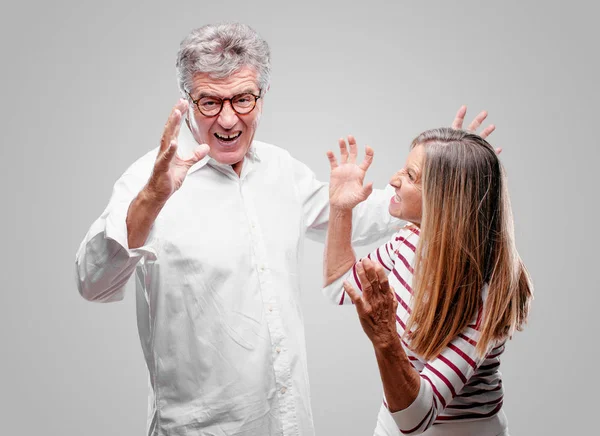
(455, 386)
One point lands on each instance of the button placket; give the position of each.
(281, 365)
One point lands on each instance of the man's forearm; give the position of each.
(141, 216)
(339, 255)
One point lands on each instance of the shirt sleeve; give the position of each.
(441, 380)
(104, 263)
(384, 255)
(371, 220)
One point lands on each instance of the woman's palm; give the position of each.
(346, 188)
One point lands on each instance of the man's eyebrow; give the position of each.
(206, 94)
(249, 90)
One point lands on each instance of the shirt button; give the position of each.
(278, 349)
(270, 308)
(283, 390)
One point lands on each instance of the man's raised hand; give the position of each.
(169, 169)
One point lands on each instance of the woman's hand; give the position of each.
(346, 188)
(475, 124)
(376, 306)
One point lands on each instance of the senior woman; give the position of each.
(441, 298)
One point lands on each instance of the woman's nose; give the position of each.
(396, 180)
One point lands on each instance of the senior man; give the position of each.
(217, 257)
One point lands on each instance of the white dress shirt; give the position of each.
(218, 289)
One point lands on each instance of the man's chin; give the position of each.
(225, 157)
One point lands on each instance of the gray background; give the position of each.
(86, 89)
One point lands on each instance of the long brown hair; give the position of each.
(466, 242)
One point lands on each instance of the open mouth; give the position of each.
(227, 138)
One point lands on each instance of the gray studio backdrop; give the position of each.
(87, 87)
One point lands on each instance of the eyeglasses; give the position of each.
(241, 104)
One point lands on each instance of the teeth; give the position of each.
(232, 136)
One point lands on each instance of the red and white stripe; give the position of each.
(459, 385)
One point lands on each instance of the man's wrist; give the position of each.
(149, 200)
(339, 212)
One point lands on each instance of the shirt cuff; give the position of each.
(414, 416)
(335, 290)
(116, 229)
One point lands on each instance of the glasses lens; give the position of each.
(209, 105)
(243, 103)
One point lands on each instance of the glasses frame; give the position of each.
(223, 100)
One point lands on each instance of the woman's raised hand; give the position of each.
(346, 188)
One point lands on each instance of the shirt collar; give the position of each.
(187, 143)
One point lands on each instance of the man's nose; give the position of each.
(227, 118)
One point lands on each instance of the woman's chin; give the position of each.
(395, 212)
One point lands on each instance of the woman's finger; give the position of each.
(343, 151)
(353, 149)
(459, 118)
(355, 297)
(479, 119)
(384, 285)
(366, 163)
(365, 283)
(332, 160)
(487, 131)
(371, 275)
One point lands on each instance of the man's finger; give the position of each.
(367, 190)
(343, 151)
(164, 159)
(480, 118)
(182, 106)
(200, 153)
(332, 160)
(366, 163)
(353, 149)
(172, 122)
(459, 118)
(487, 131)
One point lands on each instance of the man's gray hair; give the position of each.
(220, 50)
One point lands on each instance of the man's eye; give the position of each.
(243, 100)
(209, 102)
